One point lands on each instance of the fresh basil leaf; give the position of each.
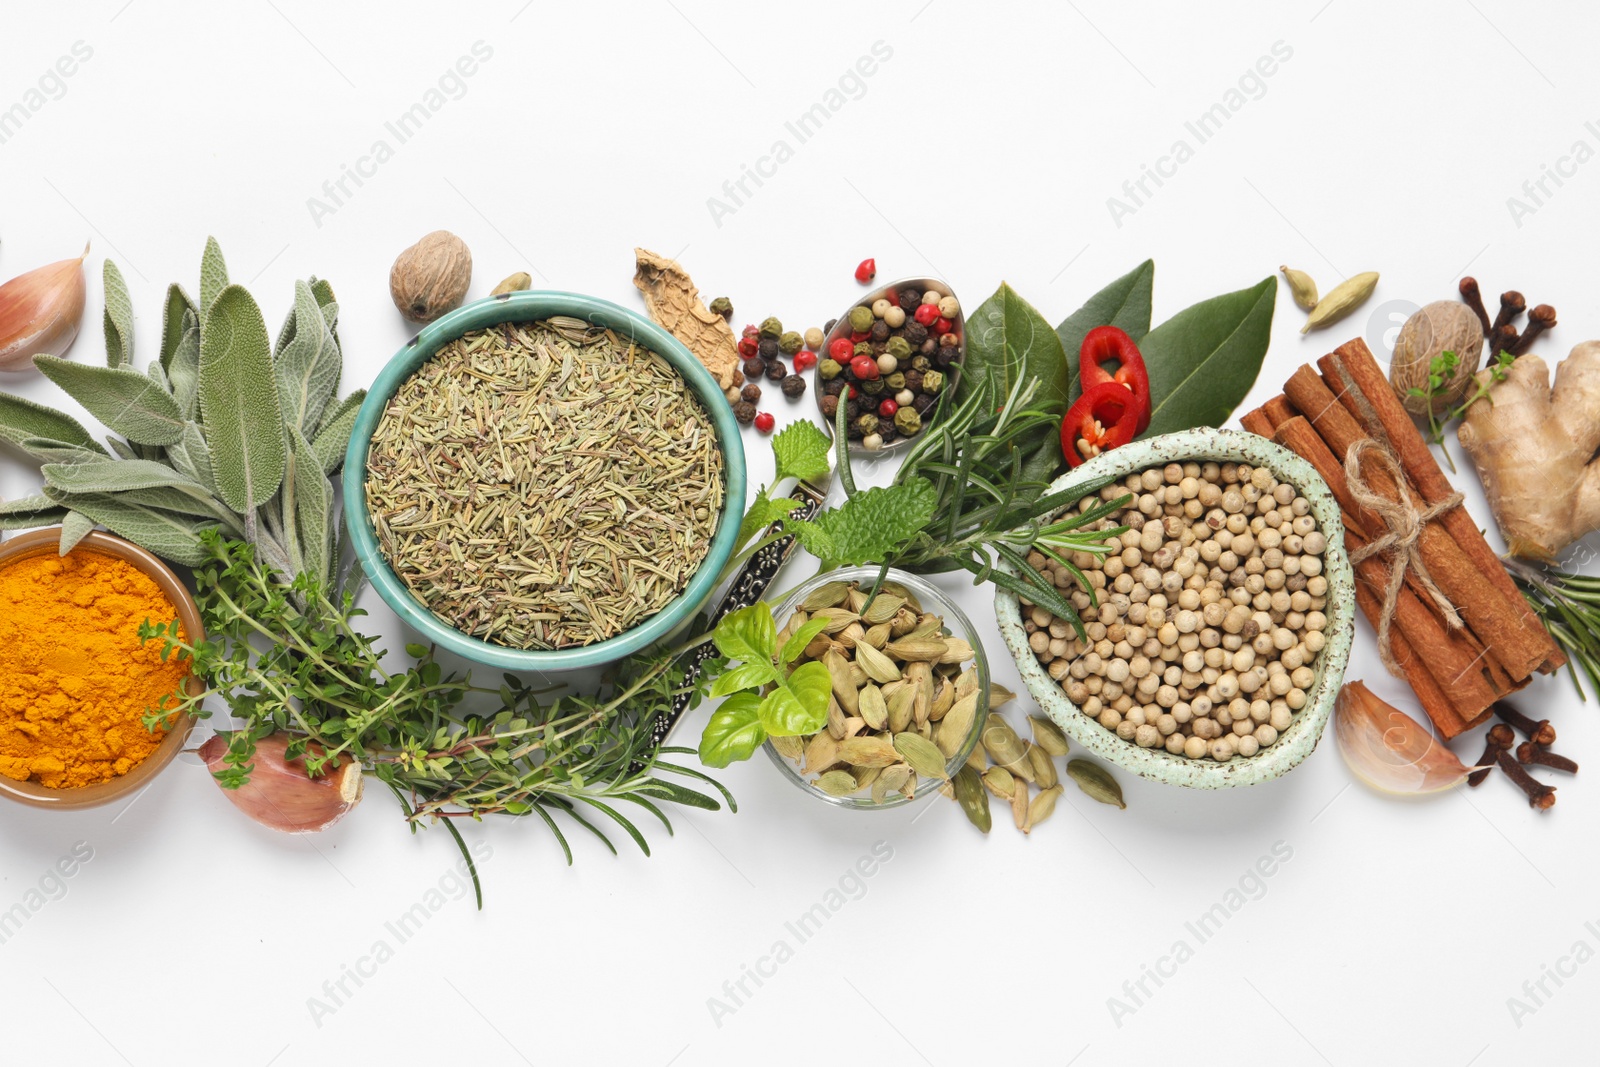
(734, 731)
(239, 402)
(117, 319)
(747, 676)
(128, 402)
(870, 526)
(801, 451)
(333, 436)
(23, 419)
(1008, 340)
(307, 363)
(796, 642)
(1125, 303)
(174, 321)
(763, 512)
(749, 634)
(213, 277)
(1204, 360)
(800, 705)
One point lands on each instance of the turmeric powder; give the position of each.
(75, 679)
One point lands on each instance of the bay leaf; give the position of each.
(1204, 360)
(1124, 303)
(307, 363)
(213, 276)
(74, 527)
(175, 316)
(128, 402)
(1007, 340)
(170, 536)
(117, 319)
(23, 419)
(239, 402)
(333, 436)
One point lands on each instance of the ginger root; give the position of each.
(1533, 447)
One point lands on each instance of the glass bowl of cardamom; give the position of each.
(910, 688)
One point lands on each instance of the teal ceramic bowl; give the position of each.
(523, 307)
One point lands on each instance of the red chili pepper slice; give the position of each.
(1106, 416)
(1104, 344)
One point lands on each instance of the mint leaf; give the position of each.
(801, 451)
(870, 526)
(762, 513)
(749, 634)
(748, 676)
(800, 705)
(798, 640)
(734, 732)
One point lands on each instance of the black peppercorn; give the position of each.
(829, 327)
(830, 406)
(754, 368)
(852, 408)
(913, 381)
(768, 347)
(880, 330)
(722, 306)
(776, 371)
(794, 386)
(879, 348)
(929, 347)
(885, 427)
(915, 333)
(751, 393)
(923, 402)
(745, 412)
(945, 356)
(909, 299)
(834, 387)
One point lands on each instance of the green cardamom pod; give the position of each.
(846, 694)
(1301, 287)
(1345, 298)
(1042, 807)
(1047, 735)
(825, 596)
(1096, 782)
(873, 707)
(882, 608)
(874, 751)
(879, 667)
(923, 755)
(837, 783)
(1005, 747)
(973, 800)
(998, 781)
(954, 729)
(1044, 768)
(999, 695)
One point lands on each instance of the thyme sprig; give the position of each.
(1441, 369)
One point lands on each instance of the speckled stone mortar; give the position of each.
(1295, 743)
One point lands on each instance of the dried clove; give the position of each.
(1502, 340)
(1540, 319)
(1540, 796)
(1512, 304)
(1540, 733)
(1499, 739)
(1528, 752)
(1474, 300)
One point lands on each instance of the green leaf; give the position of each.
(21, 419)
(174, 321)
(734, 731)
(117, 319)
(749, 634)
(213, 277)
(47, 451)
(1008, 340)
(796, 642)
(183, 369)
(1125, 303)
(748, 676)
(312, 521)
(333, 436)
(115, 476)
(27, 512)
(74, 528)
(1203, 361)
(870, 526)
(800, 705)
(172, 537)
(191, 458)
(801, 450)
(307, 363)
(125, 400)
(239, 402)
(763, 512)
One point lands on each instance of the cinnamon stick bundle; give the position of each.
(1494, 643)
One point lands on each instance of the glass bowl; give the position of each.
(926, 597)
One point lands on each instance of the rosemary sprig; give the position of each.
(1569, 606)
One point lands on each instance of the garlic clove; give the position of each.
(1389, 750)
(279, 795)
(40, 312)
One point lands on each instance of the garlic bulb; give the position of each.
(279, 795)
(1388, 749)
(40, 312)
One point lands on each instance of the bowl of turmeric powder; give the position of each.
(76, 682)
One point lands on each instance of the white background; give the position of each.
(984, 150)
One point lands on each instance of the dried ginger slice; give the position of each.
(673, 302)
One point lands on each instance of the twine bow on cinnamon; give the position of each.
(1405, 523)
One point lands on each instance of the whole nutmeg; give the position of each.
(1440, 327)
(431, 277)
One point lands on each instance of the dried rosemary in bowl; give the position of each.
(544, 485)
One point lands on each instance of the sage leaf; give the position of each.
(307, 363)
(170, 536)
(74, 527)
(1204, 360)
(870, 526)
(183, 369)
(312, 521)
(23, 419)
(1008, 340)
(192, 458)
(125, 400)
(117, 319)
(175, 317)
(734, 731)
(115, 476)
(122, 448)
(239, 402)
(213, 276)
(1125, 304)
(333, 436)
(25, 513)
(47, 451)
